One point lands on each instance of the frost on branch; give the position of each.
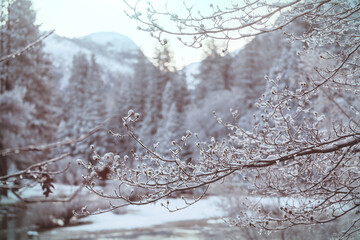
(317, 169)
(192, 24)
(38, 173)
(304, 141)
(154, 176)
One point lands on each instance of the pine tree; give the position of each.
(96, 109)
(174, 101)
(163, 61)
(159, 76)
(120, 105)
(211, 73)
(72, 125)
(129, 93)
(170, 130)
(84, 110)
(138, 85)
(31, 70)
(29, 77)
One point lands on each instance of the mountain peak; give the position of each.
(112, 40)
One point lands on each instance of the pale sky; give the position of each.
(77, 18)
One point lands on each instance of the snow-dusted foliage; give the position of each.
(174, 108)
(84, 109)
(292, 134)
(304, 140)
(114, 53)
(29, 98)
(30, 71)
(211, 73)
(159, 77)
(129, 93)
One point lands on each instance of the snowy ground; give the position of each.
(150, 215)
(139, 222)
(147, 222)
(203, 220)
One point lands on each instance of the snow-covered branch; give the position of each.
(298, 148)
(26, 48)
(17, 150)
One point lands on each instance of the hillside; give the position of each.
(114, 52)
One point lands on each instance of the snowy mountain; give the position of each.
(112, 41)
(114, 52)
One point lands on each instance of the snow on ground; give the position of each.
(150, 215)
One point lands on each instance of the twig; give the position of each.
(26, 48)
(17, 150)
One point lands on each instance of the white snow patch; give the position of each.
(151, 215)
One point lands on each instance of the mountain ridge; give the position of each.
(114, 63)
(116, 41)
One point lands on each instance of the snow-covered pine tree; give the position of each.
(170, 130)
(174, 102)
(253, 62)
(95, 108)
(139, 84)
(84, 109)
(211, 73)
(72, 124)
(164, 63)
(29, 77)
(119, 100)
(31, 70)
(129, 93)
(158, 77)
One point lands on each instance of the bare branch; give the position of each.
(26, 48)
(18, 150)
